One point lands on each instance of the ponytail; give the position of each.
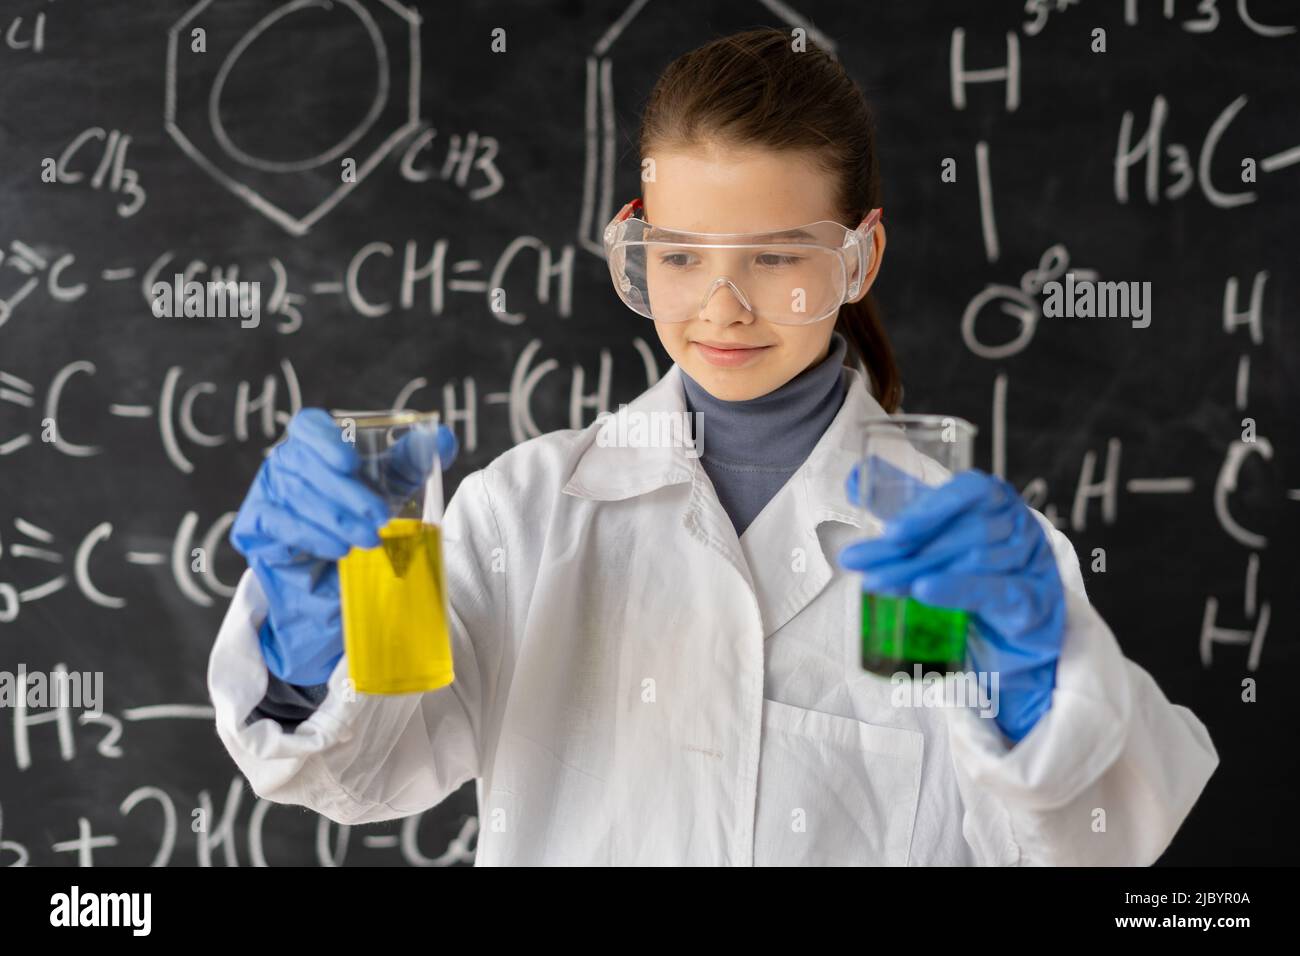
(859, 322)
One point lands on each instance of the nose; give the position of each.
(725, 302)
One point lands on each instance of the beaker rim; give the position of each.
(383, 417)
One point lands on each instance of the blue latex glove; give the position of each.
(973, 544)
(307, 508)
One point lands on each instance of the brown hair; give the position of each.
(753, 89)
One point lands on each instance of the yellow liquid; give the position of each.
(395, 632)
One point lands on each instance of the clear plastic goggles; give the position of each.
(792, 277)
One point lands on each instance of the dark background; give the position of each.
(1164, 393)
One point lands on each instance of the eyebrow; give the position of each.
(786, 234)
(669, 235)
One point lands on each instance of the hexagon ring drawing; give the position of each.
(212, 109)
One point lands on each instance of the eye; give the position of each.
(778, 260)
(677, 260)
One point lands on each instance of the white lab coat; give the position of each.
(635, 685)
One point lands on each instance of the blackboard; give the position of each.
(127, 441)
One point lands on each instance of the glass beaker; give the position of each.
(901, 632)
(393, 597)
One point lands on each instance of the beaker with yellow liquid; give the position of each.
(393, 597)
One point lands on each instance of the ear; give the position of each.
(877, 256)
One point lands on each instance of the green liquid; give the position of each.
(899, 632)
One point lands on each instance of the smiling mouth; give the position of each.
(728, 356)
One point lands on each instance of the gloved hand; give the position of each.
(973, 544)
(307, 508)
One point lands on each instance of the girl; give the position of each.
(649, 645)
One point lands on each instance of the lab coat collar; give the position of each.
(782, 557)
(610, 472)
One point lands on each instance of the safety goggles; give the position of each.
(792, 277)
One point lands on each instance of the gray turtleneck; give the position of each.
(752, 447)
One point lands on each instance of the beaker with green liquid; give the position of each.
(899, 633)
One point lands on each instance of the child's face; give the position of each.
(721, 189)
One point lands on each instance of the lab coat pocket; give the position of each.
(834, 790)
